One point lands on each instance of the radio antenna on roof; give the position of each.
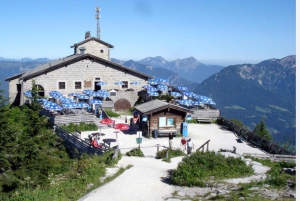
(97, 16)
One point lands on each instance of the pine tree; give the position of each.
(261, 130)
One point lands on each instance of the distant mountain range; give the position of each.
(44, 60)
(247, 92)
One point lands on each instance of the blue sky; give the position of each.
(214, 32)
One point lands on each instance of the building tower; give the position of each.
(97, 16)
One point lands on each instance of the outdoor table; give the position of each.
(108, 141)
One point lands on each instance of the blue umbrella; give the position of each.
(83, 96)
(152, 93)
(49, 103)
(94, 93)
(198, 103)
(147, 86)
(73, 94)
(88, 91)
(119, 83)
(102, 90)
(54, 93)
(42, 100)
(186, 102)
(67, 100)
(81, 105)
(101, 83)
(68, 105)
(152, 89)
(135, 82)
(175, 94)
(152, 82)
(103, 94)
(162, 80)
(53, 107)
(188, 93)
(28, 94)
(97, 101)
(162, 87)
(181, 88)
(211, 102)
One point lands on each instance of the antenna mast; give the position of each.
(97, 16)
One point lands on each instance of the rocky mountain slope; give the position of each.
(249, 93)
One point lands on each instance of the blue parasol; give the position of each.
(73, 94)
(175, 94)
(181, 88)
(83, 96)
(54, 93)
(28, 94)
(81, 105)
(53, 107)
(119, 83)
(135, 82)
(162, 87)
(152, 93)
(101, 83)
(97, 101)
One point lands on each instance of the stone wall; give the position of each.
(87, 72)
(95, 48)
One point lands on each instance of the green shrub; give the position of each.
(196, 168)
(111, 113)
(172, 153)
(135, 152)
(81, 127)
(193, 121)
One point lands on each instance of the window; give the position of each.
(125, 86)
(78, 85)
(61, 85)
(166, 122)
(97, 78)
(101, 51)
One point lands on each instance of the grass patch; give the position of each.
(195, 169)
(266, 110)
(236, 107)
(171, 154)
(82, 178)
(279, 108)
(275, 178)
(135, 152)
(111, 113)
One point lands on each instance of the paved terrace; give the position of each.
(148, 178)
(200, 133)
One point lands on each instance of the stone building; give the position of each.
(82, 70)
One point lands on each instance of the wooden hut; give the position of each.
(160, 117)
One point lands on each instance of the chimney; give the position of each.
(87, 35)
(82, 49)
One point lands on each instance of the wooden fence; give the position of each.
(253, 139)
(81, 145)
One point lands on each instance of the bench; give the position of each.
(165, 132)
(209, 120)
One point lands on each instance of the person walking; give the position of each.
(183, 143)
(170, 140)
(190, 146)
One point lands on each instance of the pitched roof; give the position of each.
(95, 39)
(157, 105)
(68, 60)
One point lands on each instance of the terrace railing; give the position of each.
(253, 139)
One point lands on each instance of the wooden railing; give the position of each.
(253, 139)
(202, 146)
(81, 145)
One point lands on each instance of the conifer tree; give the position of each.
(261, 130)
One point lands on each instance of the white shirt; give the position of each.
(190, 143)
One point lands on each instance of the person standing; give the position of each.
(170, 140)
(190, 146)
